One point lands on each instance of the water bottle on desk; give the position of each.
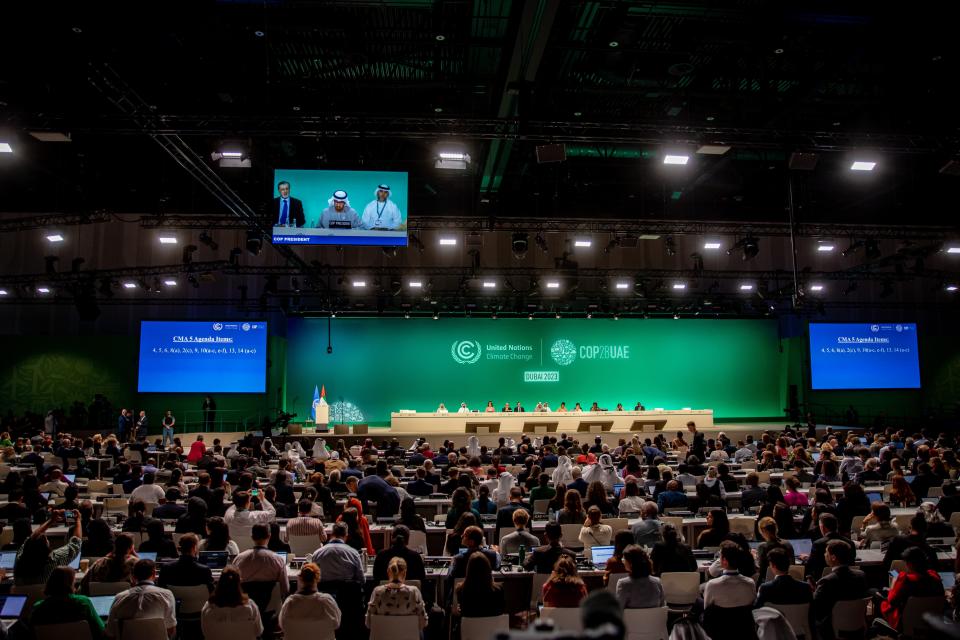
(364, 558)
(552, 516)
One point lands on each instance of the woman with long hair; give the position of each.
(794, 497)
(901, 494)
(62, 605)
(116, 566)
(558, 500)
(309, 605)
(229, 604)
(717, 531)
(409, 516)
(621, 541)
(671, 554)
(478, 596)
(396, 598)
(483, 504)
(468, 519)
(218, 538)
(597, 497)
(564, 587)
(640, 589)
(572, 512)
(358, 530)
(99, 540)
(771, 540)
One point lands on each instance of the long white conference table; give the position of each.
(536, 422)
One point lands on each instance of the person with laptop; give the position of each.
(594, 533)
(143, 600)
(56, 484)
(61, 605)
(878, 526)
(783, 588)
(545, 557)
(186, 570)
(116, 566)
(511, 543)
(259, 564)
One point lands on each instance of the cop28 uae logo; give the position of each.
(563, 352)
(465, 351)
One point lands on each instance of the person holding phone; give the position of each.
(35, 559)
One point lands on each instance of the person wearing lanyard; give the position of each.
(381, 213)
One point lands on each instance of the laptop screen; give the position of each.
(214, 559)
(283, 556)
(7, 558)
(801, 546)
(815, 456)
(601, 555)
(11, 606)
(874, 497)
(949, 578)
(75, 563)
(70, 477)
(102, 604)
(147, 555)
(617, 488)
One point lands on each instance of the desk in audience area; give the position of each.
(533, 422)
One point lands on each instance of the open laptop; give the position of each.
(70, 477)
(11, 606)
(214, 559)
(801, 546)
(949, 578)
(875, 497)
(7, 559)
(102, 604)
(617, 488)
(601, 555)
(147, 555)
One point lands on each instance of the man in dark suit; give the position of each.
(286, 211)
(917, 538)
(950, 502)
(505, 513)
(828, 527)
(186, 571)
(543, 558)
(844, 583)
(415, 569)
(783, 589)
(420, 486)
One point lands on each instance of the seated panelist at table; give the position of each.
(490, 408)
(339, 215)
(287, 211)
(442, 409)
(381, 213)
(463, 408)
(506, 408)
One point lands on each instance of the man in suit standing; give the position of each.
(287, 211)
(783, 589)
(844, 583)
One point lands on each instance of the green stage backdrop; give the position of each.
(384, 365)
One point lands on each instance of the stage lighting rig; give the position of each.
(208, 241)
(750, 247)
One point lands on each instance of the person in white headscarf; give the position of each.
(501, 495)
(563, 474)
(339, 215)
(268, 449)
(603, 471)
(473, 446)
(320, 453)
(381, 213)
(294, 448)
(511, 444)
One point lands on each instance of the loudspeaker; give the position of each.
(359, 429)
(551, 153)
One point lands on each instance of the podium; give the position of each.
(323, 418)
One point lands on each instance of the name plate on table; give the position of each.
(340, 224)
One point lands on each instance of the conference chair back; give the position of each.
(483, 628)
(108, 588)
(302, 546)
(914, 625)
(798, 615)
(395, 628)
(646, 624)
(566, 619)
(680, 588)
(849, 616)
(145, 629)
(78, 630)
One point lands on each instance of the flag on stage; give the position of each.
(323, 395)
(316, 403)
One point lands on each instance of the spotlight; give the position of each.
(43, 290)
(949, 287)
(582, 242)
(170, 283)
(168, 240)
(679, 285)
(129, 285)
(415, 284)
(557, 315)
(750, 246)
(489, 284)
(208, 241)
(448, 242)
(188, 253)
(5, 147)
(825, 247)
(359, 284)
(54, 237)
(520, 243)
(861, 165)
(622, 285)
(452, 159)
(711, 245)
(3, 292)
(676, 159)
(816, 287)
(746, 287)
(676, 316)
(553, 284)
(254, 243)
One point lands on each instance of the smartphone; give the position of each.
(255, 492)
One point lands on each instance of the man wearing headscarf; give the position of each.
(473, 446)
(604, 471)
(381, 213)
(502, 493)
(339, 215)
(320, 453)
(563, 474)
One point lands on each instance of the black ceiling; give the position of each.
(382, 84)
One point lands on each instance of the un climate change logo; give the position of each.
(465, 351)
(563, 352)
